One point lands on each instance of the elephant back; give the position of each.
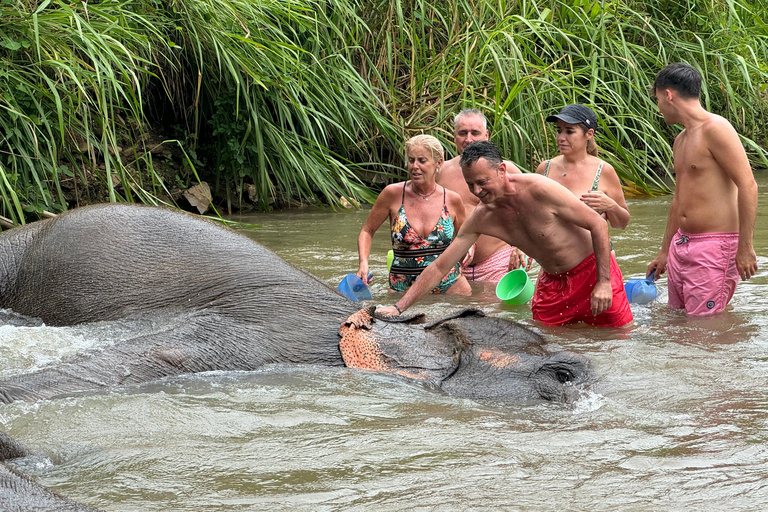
(110, 261)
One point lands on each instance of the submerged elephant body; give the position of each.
(227, 303)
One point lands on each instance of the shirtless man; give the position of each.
(580, 281)
(490, 258)
(707, 245)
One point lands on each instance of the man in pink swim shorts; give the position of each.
(707, 245)
(702, 271)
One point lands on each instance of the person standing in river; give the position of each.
(489, 258)
(707, 245)
(579, 169)
(579, 282)
(423, 218)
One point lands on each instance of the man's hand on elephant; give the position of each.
(602, 297)
(388, 311)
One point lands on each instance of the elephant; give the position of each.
(224, 302)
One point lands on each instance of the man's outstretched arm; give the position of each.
(433, 274)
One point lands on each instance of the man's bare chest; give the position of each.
(691, 155)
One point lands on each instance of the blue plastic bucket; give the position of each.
(641, 291)
(353, 288)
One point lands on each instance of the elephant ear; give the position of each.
(464, 313)
(10, 448)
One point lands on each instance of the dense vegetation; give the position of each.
(274, 102)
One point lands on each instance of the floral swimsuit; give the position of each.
(413, 253)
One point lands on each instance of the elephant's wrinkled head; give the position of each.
(467, 354)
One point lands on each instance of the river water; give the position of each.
(678, 419)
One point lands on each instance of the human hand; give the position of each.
(602, 297)
(659, 264)
(364, 274)
(467, 260)
(517, 259)
(746, 262)
(387, 311)
(598, 201)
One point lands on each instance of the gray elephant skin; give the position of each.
(228, 303)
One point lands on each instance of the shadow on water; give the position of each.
(677, 420)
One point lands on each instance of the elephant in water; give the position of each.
(224, 302)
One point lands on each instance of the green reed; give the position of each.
(309, 100)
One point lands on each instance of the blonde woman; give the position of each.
(423, 218)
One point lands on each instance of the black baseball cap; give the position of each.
(576, 114)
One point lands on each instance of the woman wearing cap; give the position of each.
(579, 170)
(423, 218)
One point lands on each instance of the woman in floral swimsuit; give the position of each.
(434, 215)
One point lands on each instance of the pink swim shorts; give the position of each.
(492, 269)
(701, 270)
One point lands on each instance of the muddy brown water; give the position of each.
(678, 419)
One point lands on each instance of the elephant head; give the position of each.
(466, 354)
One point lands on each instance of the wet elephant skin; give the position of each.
(228, 303)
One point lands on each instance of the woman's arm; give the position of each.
(610, 199)
(379, 213)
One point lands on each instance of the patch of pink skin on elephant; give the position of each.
(498, 359)
(358, 347)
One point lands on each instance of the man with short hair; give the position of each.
(707, 245)
(489, 258)
(580, 280)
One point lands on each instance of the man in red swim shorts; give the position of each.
(707, 245)
(565, 298)
(580, 281)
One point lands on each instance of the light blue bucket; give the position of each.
(641, 291)
(353, 288)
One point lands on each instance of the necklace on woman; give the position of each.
(424, 197)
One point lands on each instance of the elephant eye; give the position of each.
(564, 376)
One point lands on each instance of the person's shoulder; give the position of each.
(511, 167)
(539, 186)
(392, 190)
(608, 169)
(715, 123)
(450, 195)
(450, 166)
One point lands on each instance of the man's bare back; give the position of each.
(526, 216)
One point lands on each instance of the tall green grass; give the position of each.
(519, 61)
(310, 100)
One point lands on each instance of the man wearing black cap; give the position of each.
(707, 245)
(547, 222)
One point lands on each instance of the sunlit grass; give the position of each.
(304, 99)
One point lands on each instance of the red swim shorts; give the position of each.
(701, 271)
(566, 298)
